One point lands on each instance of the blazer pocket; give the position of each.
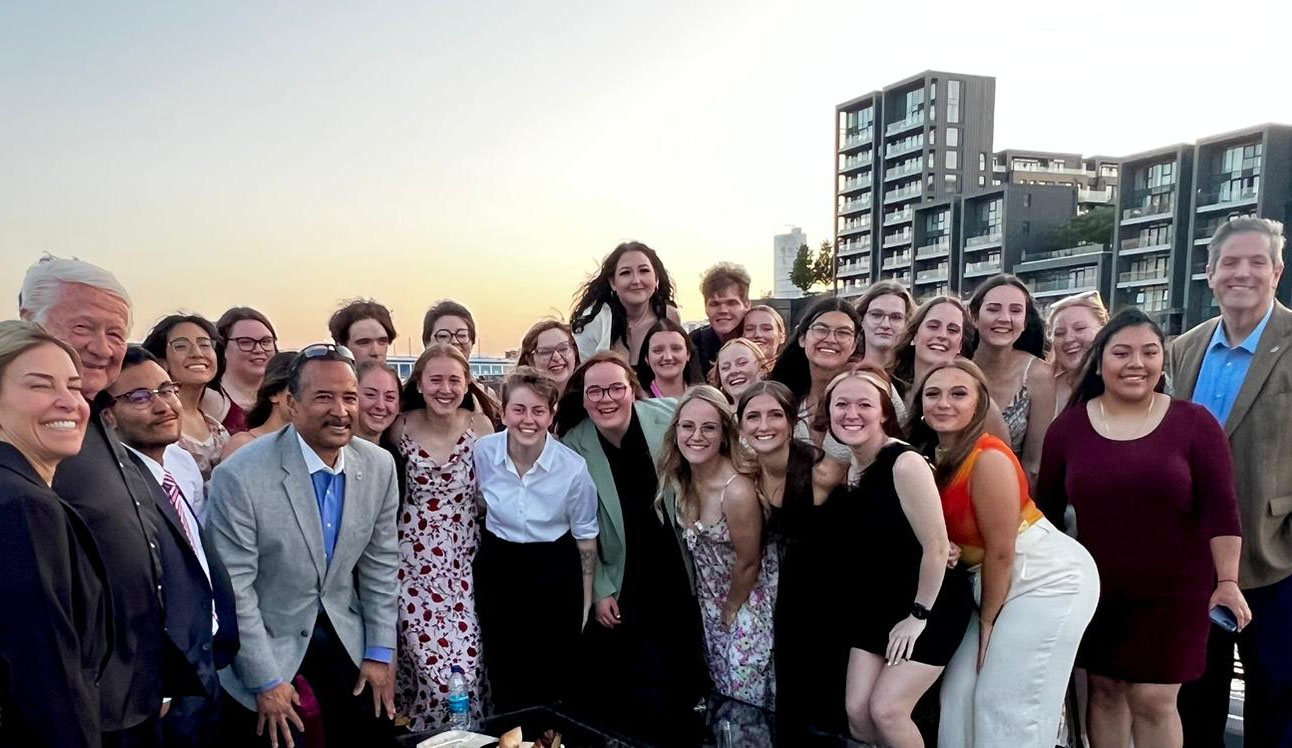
(1281, 505)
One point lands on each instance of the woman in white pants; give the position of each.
(1036, 588)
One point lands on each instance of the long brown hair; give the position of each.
(412, 399)
(903, 370)
(925, 439)
(673, 469)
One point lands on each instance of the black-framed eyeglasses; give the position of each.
(596, 394)
(268, 344)
(325, 350)
(460, 337)
(143, 396)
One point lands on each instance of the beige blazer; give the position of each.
(1260, 436)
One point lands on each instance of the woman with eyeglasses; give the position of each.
(822, 346)
(439, 533)
(1073, 323)
(449, 323)
(247, 341)
(186, 345)
(54, 625)
(269, 414)
(643, 639)
(884, 309)
(617, 306)
(549, 347)
(669, 363)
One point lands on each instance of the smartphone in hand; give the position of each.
(1224, 618)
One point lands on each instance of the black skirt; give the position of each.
(529, 601)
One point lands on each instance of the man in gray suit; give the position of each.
(1237, 366)
(305, 521)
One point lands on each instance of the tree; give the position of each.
(809, 271)
(1095, 227)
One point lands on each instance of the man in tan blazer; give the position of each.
(1237, 366)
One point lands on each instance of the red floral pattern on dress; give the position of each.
(439, 535)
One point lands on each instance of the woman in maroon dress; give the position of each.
(1152, 484)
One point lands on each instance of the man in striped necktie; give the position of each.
(201, 622)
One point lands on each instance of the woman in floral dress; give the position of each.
(439, 533)
(705, 464)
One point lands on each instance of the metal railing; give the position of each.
(903, 124)
(993, 237)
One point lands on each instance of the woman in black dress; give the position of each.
(808, 652)
(909, 613)
(55, 627)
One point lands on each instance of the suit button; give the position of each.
(304, 633)
(206, 647)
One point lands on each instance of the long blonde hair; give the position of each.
(764, 364)
(673, 469)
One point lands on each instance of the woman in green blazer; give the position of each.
(644, 637)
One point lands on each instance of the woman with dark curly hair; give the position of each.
(629, 293)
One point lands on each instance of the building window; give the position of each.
(1027, 199)
(933, 136)
(930, 160)
(953, 159)
(952, 183)
(1027, 227)
(982, 181)
(953, 136)
(982, 161)
(953, 101)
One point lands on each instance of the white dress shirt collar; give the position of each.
(502, 457)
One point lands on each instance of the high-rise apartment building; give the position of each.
(1005, 225)
(785, 247)
(913, 143)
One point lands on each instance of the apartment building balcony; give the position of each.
(903, 276)
(933, 275)
(1048, 289)
(896, 240)
(896, 260)
(855, 184)
(939, 248)
(1226, 199)
(855, 288)
(855, 139)
(902, 125)
(904, 193)
(853, 247)
(983, 267)
(988, 239)
(1095, 196)
(855, 205)
(903, 147)
(1148, 212)
(1053, 169)
(850, 269)
(1080, 250)
(1136, 278)
(1143, 246)
(857, 161)
(898, 216)
(854, 230)
(904, 169)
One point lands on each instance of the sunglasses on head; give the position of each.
(325, 350)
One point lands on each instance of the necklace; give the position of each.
(1103, 415)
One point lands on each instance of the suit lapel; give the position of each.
(356, 525)
(587, 444)
(1273, 345)
(1186, 377)
(300, 494)
(166, 509)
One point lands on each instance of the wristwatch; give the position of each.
(919, 612)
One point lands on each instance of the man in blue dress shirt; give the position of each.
(1237, 367)
(305, 521)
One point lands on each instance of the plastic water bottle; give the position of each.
(459, 700)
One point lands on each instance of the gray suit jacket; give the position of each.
(265, 522)
(1260, 437)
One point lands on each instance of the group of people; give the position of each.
(207, 539)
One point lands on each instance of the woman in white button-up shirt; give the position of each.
(538, 550)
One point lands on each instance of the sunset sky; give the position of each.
(213, 154)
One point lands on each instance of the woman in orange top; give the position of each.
(1036, 588)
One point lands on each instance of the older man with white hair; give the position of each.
(84, 306)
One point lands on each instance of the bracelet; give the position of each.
(1222, 581)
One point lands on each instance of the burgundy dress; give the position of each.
(1146, 510)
